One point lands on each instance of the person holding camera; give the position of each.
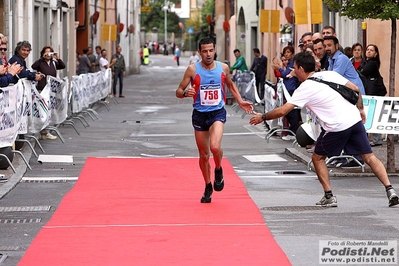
(47, 65)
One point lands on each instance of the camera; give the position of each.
(50, 54)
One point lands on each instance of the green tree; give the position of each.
(156, 18)
(383, 10)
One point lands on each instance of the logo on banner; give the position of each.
(382, 114)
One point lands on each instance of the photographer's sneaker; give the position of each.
(207, 197)
(218, 184)
(331, 202)
(393, 197)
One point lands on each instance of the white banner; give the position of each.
(23, 109)
(382, 114)
(273, 99)
(11, 106)
(89, 88)
(55, 94)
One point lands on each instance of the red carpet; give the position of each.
(141, 211)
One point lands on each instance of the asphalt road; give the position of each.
(152, 122)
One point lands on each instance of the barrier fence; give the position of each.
(24, 110)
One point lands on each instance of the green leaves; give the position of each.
(362, 9)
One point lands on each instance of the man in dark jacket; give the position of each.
(259, 67)
(21, 52)
(119, 71)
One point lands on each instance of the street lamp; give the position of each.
(165, 9)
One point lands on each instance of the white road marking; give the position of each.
(264, 158)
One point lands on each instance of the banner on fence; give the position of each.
(382, 114)
(23, 109)
(55, 94)
(11, 105)
(89, 88)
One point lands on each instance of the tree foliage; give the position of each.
(156, 18)
(362, 9)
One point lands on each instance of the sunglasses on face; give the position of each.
(3, 49)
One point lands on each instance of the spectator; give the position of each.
(92, 59)
(7, 72)
(330, 31)
(48, 64)
(320, 52)
(98, 56)
(177, 55)
(21, 52)
(77, 63)
(375, 85)
(316, 35)
(146, 55)
(290, 83)
(104, 64)
(240, 63)
(348, 52)
(194, 58)
(340, 63)
(259, 67)
(357, 51)
(165, 48)
(119, 70)
(306, 39)
(84, 62)
(141, 55)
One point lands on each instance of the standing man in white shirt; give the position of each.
(342, 124)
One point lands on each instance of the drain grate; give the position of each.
(291, 172)
(44, 181)
(20, 221)
(26, 209)
(294, 208)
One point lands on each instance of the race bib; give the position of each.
(211, 94)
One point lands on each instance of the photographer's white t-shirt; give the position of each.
(335, 112)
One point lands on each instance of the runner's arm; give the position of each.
(181, 91)
(247, 106)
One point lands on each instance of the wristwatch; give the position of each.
(184, 93)
(264, 117)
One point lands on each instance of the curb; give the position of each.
(20, 169)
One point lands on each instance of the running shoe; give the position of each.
(218, 184)
(331, 202)
(393, 197)
(207, 197)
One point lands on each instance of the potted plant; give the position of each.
(286, 31)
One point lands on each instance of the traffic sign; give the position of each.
(145, 9)
(190, 30)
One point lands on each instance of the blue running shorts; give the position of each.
(203, 121)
